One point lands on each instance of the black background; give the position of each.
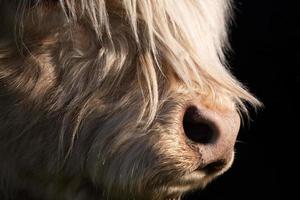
(265, 41)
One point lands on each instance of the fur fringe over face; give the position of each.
(90, 91)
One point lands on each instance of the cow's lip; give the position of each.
(197, 179)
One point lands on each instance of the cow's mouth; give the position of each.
(198, 179)
(195, 180)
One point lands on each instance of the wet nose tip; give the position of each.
(204, 126)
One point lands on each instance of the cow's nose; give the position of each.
(213, 133)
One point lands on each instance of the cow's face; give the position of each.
(130, 96)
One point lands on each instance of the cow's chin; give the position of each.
(188, 183)
(194, 181)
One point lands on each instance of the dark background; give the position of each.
(265, 41)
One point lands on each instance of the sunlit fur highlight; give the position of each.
(190, 36)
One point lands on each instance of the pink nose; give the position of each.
(212, 133)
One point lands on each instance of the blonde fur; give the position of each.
(110, 77)
(190, 36)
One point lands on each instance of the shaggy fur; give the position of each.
(91, 93)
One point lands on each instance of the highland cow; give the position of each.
(115, 99)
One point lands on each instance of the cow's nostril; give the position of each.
(197, 128)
